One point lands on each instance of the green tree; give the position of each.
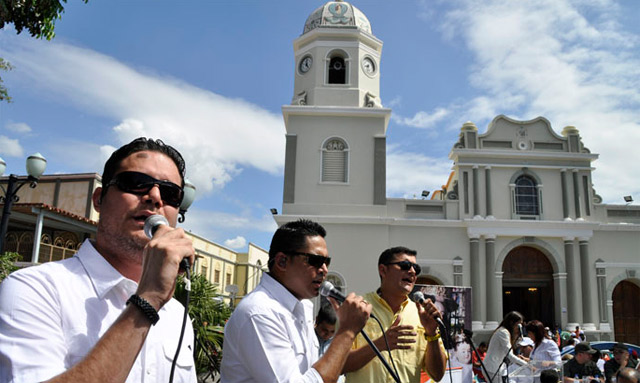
(208, 314)
(4, 94)
(36, 16)
(7, 264)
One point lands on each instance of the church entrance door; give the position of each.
(527, 285)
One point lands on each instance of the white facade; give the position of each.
(518, 191)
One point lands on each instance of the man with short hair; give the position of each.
(107, 313)
(628, 375)
(411, 329)
(325, 326)
(549, 376)
(620, 360)
(581, 365)
(270, 336)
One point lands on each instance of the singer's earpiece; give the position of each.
(282, 262)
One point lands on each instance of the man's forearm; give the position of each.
(435, 360)
(112, 357)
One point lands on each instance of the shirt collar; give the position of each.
(103, 276)
(384, 303)
(278, 291)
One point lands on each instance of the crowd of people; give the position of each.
(519, 352)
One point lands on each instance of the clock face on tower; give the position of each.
(305, 64)
(368, 66)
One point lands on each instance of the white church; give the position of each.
(518, 220)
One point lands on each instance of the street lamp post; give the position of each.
(187, 200)
(36, 164)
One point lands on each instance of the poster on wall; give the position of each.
(454, 303)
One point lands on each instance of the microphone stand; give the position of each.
(469, 334)
(379, 355)
(504, 361)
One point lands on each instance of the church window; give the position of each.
(526, 197)
(337, 70)
(335, 160)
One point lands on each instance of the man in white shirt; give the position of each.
(90, 318)
(270, 336)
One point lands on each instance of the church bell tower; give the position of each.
(336, 125)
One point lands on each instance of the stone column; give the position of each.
(493, 289)
(487, 180)
(601, 280)
(560, 287)
(565, 194)
(587, 286)
(574, 286)
(576, 194)
(477, 311)
(476, 192)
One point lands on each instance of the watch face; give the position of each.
(305, 64)
(368, 66)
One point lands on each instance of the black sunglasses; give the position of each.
(140, 184)
(314, 260)
(406, 266)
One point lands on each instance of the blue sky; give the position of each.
(210, 77)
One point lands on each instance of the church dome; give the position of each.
(337, 14)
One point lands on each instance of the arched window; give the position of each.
(335, 160)
(526, 197)
(337, 70)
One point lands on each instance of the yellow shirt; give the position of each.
(408, 362)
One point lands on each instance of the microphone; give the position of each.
(151, 225)
(327, 289)
(418, 297)
(521, 330)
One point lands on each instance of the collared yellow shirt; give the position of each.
(408, 362)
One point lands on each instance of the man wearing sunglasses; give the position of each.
(411, 328)
(106, 314)
(270, 336)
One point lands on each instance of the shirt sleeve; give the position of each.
(269, 352)
(32, 345)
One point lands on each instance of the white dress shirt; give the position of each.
(547, 350)
(52, 315)
(270, 338)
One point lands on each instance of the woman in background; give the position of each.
(544, 350)
(501, 347)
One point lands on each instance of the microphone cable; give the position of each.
(384, 336)
(184, 264)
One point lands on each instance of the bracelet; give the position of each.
(432, 338)
(146, 308)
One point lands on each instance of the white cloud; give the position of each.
(409, 174)
(422, 119)
(18, 127)
(10, 147)
(218, 136)
(236, 243)
(569, 61)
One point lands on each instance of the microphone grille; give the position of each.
(417, 296)
(325, 288)
(152, 222)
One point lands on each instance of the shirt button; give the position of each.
(148, 372)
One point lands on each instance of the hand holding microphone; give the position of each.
(428, 308)
(168, 250)
(151, 225)
(353, 312)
